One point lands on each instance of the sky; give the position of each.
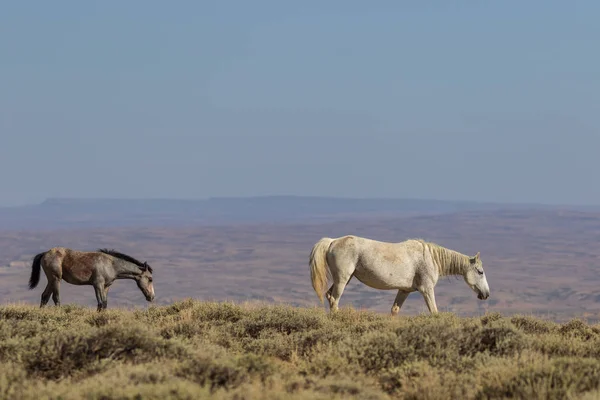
(462, 100)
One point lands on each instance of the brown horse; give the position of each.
(96, 268)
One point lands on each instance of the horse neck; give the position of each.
(126, 270)
(449, 262)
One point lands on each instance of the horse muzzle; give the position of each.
(483, 296)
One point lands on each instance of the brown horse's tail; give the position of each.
(319, 269)
(36, 269)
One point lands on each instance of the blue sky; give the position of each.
(190, 99)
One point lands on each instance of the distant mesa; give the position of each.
(57, 212)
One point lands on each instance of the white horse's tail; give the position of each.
(319, 269)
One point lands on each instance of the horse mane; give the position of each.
(449, 262)
(114, 253)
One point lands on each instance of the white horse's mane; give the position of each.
(449, 262)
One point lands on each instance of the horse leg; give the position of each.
(429, 297)
(328, 293)
(334, 297)
(52, 278)
(105, 301)
(56, 292)
(53, 272)
(99, 289)
(336, 292)
(46, 295)
(400, 298)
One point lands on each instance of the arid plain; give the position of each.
(540, 261)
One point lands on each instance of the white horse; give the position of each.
(409, 266)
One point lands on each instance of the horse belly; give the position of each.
(384, 279)
(77, 276)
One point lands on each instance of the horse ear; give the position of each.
(474, 259)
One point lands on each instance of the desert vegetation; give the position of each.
(195, 350)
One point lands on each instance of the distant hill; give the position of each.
(82, 213)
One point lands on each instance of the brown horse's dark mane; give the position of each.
(143, 265)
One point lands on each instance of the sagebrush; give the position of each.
(196, 350)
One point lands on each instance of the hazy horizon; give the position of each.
(285, 196)
(469, 102)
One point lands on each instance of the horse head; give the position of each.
(145, 281)
(475, 277)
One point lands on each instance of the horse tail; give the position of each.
(319, 268)
(35, 270)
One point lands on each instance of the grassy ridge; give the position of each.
(195, 350)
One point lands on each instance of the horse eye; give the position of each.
(480, 271)
(149, 279)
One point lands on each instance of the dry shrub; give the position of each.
(532, 325)
(280, 320)
(57, 356)
(490, 318)
(419, 380)
(579, 329)
(562, 378)
(498, 341)
(216, 370)
(198, 350)
(104, 318)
